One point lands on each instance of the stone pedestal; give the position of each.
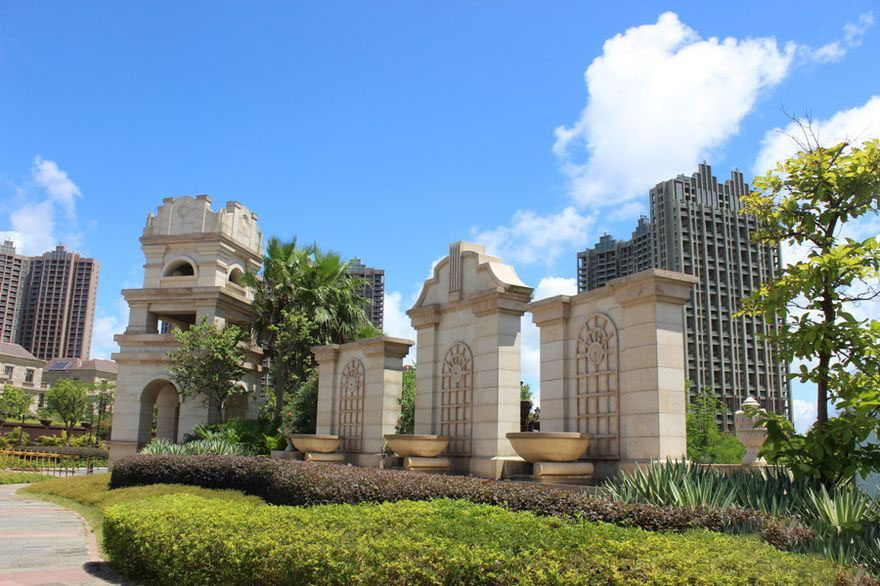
(421, 464)
(359, 386)
(333, 457)
(612, 365)
(468, 372)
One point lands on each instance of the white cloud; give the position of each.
(836, 50)
(660, 99)
(530, 342)
(397, 323)
(532, 237)
(56, 183)
(107, 325)
(803, 414)
(855, 125)
(32, 219)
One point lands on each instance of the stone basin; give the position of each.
(549, 446)
(313, 442)
(420, 445)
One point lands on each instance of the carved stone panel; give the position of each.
(351, 405)
(598, 392)
(457, 382)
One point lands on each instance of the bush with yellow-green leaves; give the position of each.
(186, 539)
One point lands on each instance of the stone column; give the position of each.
(384, 373)
(652, 397)
(327, 357)
(551, 317)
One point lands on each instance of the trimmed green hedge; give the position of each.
(305, 483)
(184, 539)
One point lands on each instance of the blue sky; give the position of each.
(386, 130)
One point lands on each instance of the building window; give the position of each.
(29, 375)
(41, 402)
(8, 371)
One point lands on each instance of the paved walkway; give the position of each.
(46, 544)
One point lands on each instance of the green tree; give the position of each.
(406, 423)
(305, 296)
(806, 202)
(15, 404)
(209, 363)
(706, 443)
(70, 400)
(525, 391)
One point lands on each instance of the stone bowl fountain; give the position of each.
(308, 443)
(549, 446)
(418, 445)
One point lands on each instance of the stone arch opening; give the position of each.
(159, 412)
(235, 276)
(236, 406)
(180, 267)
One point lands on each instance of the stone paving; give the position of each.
(46, 544)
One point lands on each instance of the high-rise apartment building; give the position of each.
(14, 270)
(374, 290)
(47, 303)
(696, 228)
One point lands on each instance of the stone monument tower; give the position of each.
(468, 367)
(195, 258)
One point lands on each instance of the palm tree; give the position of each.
(314, 290)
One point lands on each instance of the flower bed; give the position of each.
(184, 539)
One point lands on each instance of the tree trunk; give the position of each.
(829, 317)
(279, 382)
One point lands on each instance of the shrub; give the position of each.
(842, 524)
(94, 490)
(259, 435)
(303, 483)
(82, 452)
(168, 540)
(216, 446)
(21, 477)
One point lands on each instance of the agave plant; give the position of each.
(215, 446)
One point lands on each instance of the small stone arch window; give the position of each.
(235, 276)
(180, 268)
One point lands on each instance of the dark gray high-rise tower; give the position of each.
(696, 228)
(47, 302)
(374, 290)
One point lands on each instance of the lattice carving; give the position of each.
(351, 405)
(457, 383)
(598, 391)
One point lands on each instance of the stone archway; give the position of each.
(162, 394)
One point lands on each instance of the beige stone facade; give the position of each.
(359, 394)
(21, 369)
(93, 372)
(194, 261)
(612, 365)
(467, 378)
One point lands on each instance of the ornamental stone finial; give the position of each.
(752, 437)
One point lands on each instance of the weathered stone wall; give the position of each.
(612, 365)
(468, 372)
(359, 394)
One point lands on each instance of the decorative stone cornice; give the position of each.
(550, 310)
(653, 286)
(378, 346)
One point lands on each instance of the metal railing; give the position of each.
(47, 463)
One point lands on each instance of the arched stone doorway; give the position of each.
(162, 394)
